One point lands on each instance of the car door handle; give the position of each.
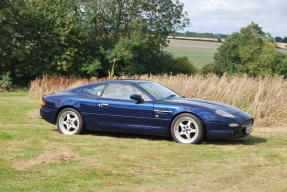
(103, 105)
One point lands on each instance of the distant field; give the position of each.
(283, 51)
(282, 45)
(200, 52)
(194, 38)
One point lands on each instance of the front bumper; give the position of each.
(223, 130)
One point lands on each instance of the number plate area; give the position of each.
(249, 129)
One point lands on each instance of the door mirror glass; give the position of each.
(137, 98)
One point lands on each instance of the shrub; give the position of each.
(184, 66)
(250, 51)
(5, 81)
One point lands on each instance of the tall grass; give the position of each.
(51, 84)
(263, 97)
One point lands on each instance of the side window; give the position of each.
(121, 91)
(95, 90)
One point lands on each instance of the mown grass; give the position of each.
(35, 157)
(200, 52)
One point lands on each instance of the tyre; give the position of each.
(187, 129)
(70, 122)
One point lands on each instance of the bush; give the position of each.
(212, 68)
(250, 51)
(184, 66)
(5, 81)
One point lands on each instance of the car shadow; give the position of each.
(128, 136)
(249, 140)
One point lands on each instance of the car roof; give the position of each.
(124, 81)
(80, 88)
(131, 81)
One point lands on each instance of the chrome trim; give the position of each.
(162, 111)
(233, 125)
(103, 105)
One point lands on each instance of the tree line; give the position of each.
(281, 39)
(89, 37)
(250, 51)
(101, 38)
(217, 35)
(204, 35)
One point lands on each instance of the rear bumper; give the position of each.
(223, 130)
(48, 115)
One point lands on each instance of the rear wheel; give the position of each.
(187, 129)
(70, 122)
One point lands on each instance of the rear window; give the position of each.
(95, 90)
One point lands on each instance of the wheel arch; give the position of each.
(64, 107)
(204, 127)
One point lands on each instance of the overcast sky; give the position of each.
(227, 16)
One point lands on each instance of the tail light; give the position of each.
(43, 103)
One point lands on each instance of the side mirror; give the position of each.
(137, 98)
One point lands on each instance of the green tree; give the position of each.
(86, 37)
(133, 33)
(281, 67)
(40, 37)
(249, 51)
(278, 39)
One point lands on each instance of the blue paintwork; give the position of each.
(129, 116)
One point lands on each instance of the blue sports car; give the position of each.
(142, 107)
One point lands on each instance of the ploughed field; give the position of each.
(35, 157)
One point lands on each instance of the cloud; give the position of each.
(227, 16)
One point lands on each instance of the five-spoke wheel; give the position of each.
(70, 122)
(187, 129)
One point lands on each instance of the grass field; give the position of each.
(200, 52)
(35, 157)
(283, 51)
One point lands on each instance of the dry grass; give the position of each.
(53, 157)
(50, 84)
(281, 45)
(195, 38)
(264, 98)
(47, 157)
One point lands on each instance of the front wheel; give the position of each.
(69, 122)
(187, 129)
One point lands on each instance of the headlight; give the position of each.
(224, 113)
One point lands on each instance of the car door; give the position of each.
(89, 107)
(117, 112)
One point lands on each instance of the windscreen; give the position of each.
(158, 91)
